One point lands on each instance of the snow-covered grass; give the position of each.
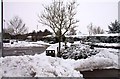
(26, 44)
(107, 44)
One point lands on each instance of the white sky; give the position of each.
(100, 13)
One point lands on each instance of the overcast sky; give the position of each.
(100, 13)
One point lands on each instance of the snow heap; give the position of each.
(37, 66)
(25, 44)
(102, 60)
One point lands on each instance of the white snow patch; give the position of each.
(107, 44)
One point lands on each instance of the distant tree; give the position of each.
(8, 30)
(72, 31)
(114, 27)
(59, 17)
(6, 36)
(16, 26)
(34, 35)
(39, 32)
(47, 32)
(95, 30)
(98, 30)
(90, 29)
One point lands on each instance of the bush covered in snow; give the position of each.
(79, 51)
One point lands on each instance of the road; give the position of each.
(17, 51)
(102, 74)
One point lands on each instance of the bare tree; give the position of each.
(98, 30)
(59, 17)
(8, 30)
(94, 30)
(90, 28)
(16, 26)
(72, 31)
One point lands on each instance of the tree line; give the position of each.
(114, 27)
(35, 36)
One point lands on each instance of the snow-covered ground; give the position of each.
(26, 44)
(107, 44)
(46, 66)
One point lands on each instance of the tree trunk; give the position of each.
(59, 48)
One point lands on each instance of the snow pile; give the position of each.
(37, 66)
(25, 44)
(112, 56)
(102, 60)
